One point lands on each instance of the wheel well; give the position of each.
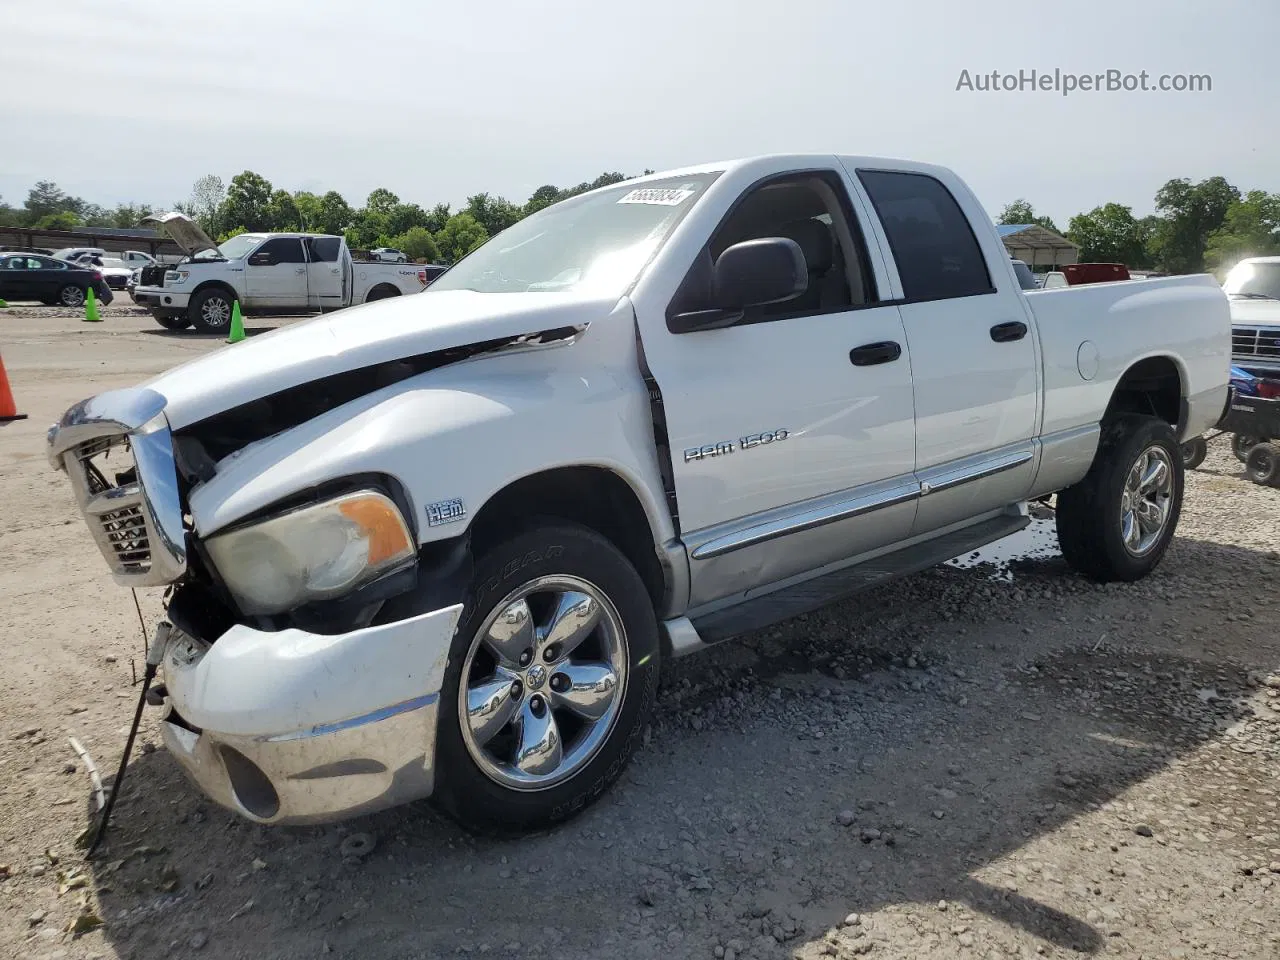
(224, 287)
(383, 290)
(1150, 386)
(592, 496)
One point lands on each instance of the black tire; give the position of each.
(72, 296)
(1193, 452)
(174, 323)
(1241, 444)
(549, 548)
(381, 293)
(1090, 514)
(210, 310)
(1263, 464)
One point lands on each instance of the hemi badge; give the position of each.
(445, 511)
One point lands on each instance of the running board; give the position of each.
(810, 595)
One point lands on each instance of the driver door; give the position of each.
(792, 432)
(276, 274)
(15, 279)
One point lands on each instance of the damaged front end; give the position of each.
(301, 677)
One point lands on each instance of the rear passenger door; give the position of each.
(324, 273)
(974, 356)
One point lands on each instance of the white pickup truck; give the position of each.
(277, 273)
(439, 546)
(1254, 288)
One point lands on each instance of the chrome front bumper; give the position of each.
(295, 728)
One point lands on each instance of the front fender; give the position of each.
(463, 433)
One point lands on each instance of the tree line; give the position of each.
(250, 203)
(1197, 227)
(1201, 226)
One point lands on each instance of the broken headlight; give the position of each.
(314, 553)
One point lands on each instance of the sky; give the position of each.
(132, 100)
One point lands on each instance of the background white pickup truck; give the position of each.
(440, 545)
(1254, 288)
(276, 273)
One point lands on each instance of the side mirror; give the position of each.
(262, 260)
(752, 273)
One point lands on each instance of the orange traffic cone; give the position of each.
(8, 410)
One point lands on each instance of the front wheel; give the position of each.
(1117, 523)
(1193, 452)
(210, 311)
(552, 674)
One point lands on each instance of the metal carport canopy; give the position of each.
(1036, 245)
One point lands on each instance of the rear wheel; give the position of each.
(1117, 523)
(1241, 444)
(381, 293)
(210, 310)
(71, 296)
(552, 673)
(1263, 464)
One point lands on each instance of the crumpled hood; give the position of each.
(361, 336)
(1263, 313)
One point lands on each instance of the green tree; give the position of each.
(207, 197)
(544, 196)
(1021, 212)
(462, 234)
(47, 198)
(1109, 234)
(1190, 213)
(66, 220)
(9, 217)
(129, 214)
(495, 214)
(381, 201)
(310, 210)
(403, 217)
(418, 244)
(1251, 228)
(437, 217)
(335, 214)
(282, 212)
(248, 202)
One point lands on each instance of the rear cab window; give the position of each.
(932, 241)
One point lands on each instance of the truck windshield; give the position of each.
(1254, 281)
(232, 249)
(597, 243)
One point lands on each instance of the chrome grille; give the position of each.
(1261, 342)
(117, 451)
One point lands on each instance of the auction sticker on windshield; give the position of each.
(663, 197)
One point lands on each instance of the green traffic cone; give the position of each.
(3, 304)
(237, 324)
(91, 314)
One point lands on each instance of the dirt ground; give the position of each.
(964, 764)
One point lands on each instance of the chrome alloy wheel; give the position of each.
(1146, 501)
(543, 682)
(216, 312)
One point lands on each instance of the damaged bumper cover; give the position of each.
(290, 727)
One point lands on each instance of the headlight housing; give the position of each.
(176, 277)
(314, 553)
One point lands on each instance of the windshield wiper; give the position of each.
(1252, 296)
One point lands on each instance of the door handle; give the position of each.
(301, 270)
(1008, 332)
(872, 353)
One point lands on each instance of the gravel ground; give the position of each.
(979, 761)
